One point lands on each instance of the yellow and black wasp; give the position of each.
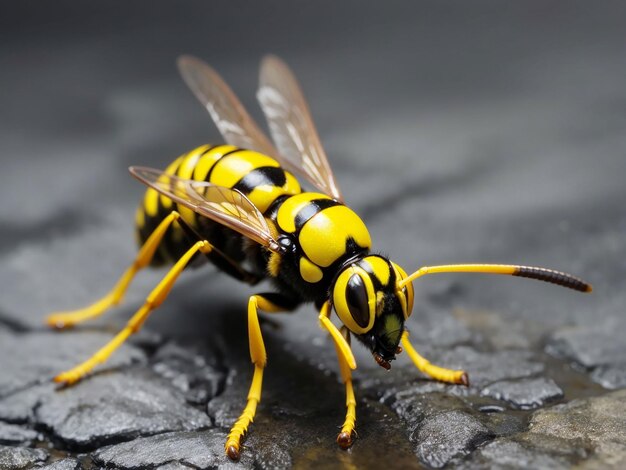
(241, 206)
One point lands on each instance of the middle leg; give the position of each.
(268, 303)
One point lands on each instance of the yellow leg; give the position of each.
(340, 341)
(344, 439)
(114, 297)
(436, 372)
(156, 298)
(259, 359)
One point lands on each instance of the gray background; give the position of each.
(460, 131)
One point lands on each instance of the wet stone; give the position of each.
(524, 394)
(508, 454)
(447, 435)
(19, 406)
(190, 372)
(43, 355)
(200, 450)
(64, 464)
(595, 426)
(15, 458)
(590, 346)
(113, 407)
(610, 376)
(487, 367)
(12, 434)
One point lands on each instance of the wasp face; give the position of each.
(372, 305)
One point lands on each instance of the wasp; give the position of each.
(240, 206)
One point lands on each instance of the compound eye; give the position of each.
(357, 300)
(354, 300)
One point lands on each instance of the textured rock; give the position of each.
(64, 464)
(200, 450)
(484, 368)
(20, 407)
(12, 434)
(43, 355)
(525, 393)
(112, 407)
(591, 346)
(611, 376)
(447, 435)
(189, 372)
(594, 426)
(15, 458)
(508, 454)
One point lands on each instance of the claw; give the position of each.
(344, 440)
(233, 453)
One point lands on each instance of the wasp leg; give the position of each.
(143, 258)
(436, 372)
(340, 342)
(156, 298)
(268, 303)
(114, 297)
(344, 439)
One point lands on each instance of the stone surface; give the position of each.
(591, 346)
(508, 454)
(12, 434)
(110, 408)
(16, 458)
(526, 393)
(459, 134)
(189, 372)
(201, 450)
(610, 376)
(447, 435)
(64, 464)
(45, 354)
(596, 424)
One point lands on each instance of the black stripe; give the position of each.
(263, 176)
(312, 208)
(208, 176)
(211, 147)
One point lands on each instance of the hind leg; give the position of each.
(143, 258)
(156, 298)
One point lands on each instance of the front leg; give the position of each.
(438, 373)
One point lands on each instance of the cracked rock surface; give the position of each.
(459, 133)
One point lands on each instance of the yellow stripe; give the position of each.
(228, 171)
(170, 170)
(185, 170)
(288, 211)
(206, 161)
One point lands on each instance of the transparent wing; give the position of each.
(292, 128)
(229, 115)
(226, 206)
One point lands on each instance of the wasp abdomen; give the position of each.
(258, 176)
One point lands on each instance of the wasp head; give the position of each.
(371, 303)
